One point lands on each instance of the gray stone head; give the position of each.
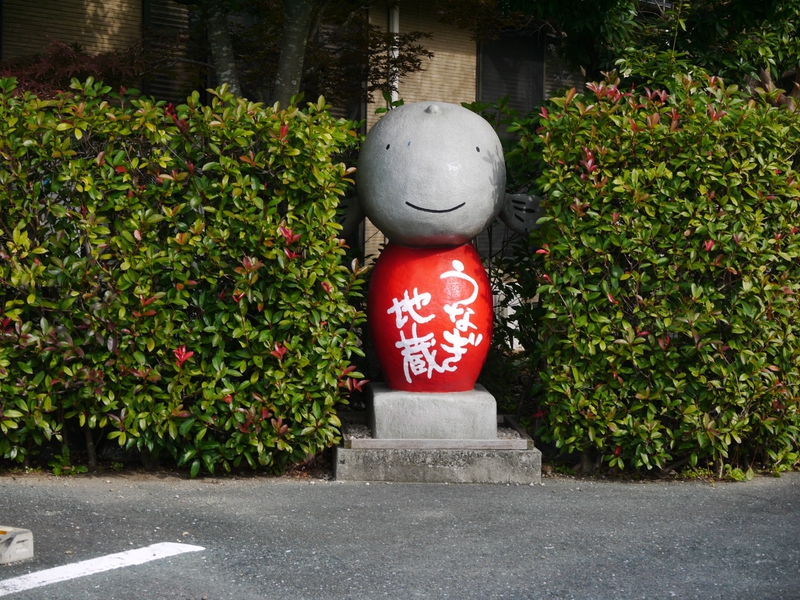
(431, 174)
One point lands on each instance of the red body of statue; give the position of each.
(430, 316)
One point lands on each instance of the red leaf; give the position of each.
(288, 234)
(347, 371)
(182, 355)
(357, 384)
(279, 352)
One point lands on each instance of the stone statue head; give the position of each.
(431, 174)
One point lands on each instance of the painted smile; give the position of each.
(430, 210)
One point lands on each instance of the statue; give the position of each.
(431, 176)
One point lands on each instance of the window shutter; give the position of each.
(166, 33)
(96, 25)
(512, 66)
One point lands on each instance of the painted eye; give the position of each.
(478, 149)
(387, 146)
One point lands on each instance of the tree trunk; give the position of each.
(766, 79)
(587, 461)
(587, 464)
(150, 461)
(297, 19)
(219, 40)
(90, 453)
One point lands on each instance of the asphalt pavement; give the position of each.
(316, 539)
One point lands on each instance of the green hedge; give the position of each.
(173, 275)
(668, 270)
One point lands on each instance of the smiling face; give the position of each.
(431, 174)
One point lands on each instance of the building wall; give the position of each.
(97, 25)
(448, 77)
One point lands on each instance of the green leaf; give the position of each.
(186, 426)
(208, 460)
(187, 456)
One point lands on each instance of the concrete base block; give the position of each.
(438, 465)
(15, 544)
(416, 415)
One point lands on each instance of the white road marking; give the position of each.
(94, 565)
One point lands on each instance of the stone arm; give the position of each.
(521, 211)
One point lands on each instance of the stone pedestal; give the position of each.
(397, 414)
(15, 544)
(438, 465)
(436, 438)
